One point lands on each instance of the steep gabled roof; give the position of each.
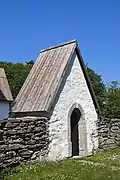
(5, 93)
(45, 78)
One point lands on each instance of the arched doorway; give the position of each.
(75, 117)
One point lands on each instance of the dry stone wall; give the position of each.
(109, 133)
(22, 140)
(27, 139)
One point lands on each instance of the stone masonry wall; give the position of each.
(27, 139)
(22, 140)
(109, 133)
(73, 93)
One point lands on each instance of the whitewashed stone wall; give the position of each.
(74, 93)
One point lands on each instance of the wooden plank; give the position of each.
(53, 80)
(25, 90)
(46, 91)
(40, 99)
(38, 83)
(20, 97)
(42, 82)
(56, 84)
(41, 64)
(40, 90)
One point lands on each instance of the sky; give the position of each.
(28, 26)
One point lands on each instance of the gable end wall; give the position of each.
(73, 93)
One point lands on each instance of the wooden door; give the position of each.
(75, 117)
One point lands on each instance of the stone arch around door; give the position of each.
(77, 131)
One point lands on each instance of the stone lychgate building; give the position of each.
(58, 87)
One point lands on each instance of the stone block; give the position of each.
(19, 141)
(2, 142)
(104, 130)
(38, 146)
(110, 141)
(37, 129)
(114, 128)
(3, 147)
(31, 142)
(113, 134)
(2, 157)
(10, 154)
(115, 120)
(104, 135)
(1, 132)
(12, 161)
(11, 125)
(23, 124)
(15, 147)
(25, 153)
(10, 132)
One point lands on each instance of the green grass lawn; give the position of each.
(102, 166)
(109, 157)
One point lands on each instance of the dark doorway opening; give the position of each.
(75, 117)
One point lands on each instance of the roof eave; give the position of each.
(32, 113)
(5, 100)
(87, 79)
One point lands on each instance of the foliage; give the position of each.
(112, 106)
(108, 98)
(16, 74)
(71, 169)
(98, 86)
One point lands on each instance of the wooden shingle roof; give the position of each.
(45, 78)
(5, 93)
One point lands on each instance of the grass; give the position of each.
(101, 168)
(108, 157)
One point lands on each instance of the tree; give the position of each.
(30, 62)
(16, 74)
(112, 106)
(98, 86)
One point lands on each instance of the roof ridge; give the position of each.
(59, 45)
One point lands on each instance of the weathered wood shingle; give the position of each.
(5, 93)
(45, 78)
